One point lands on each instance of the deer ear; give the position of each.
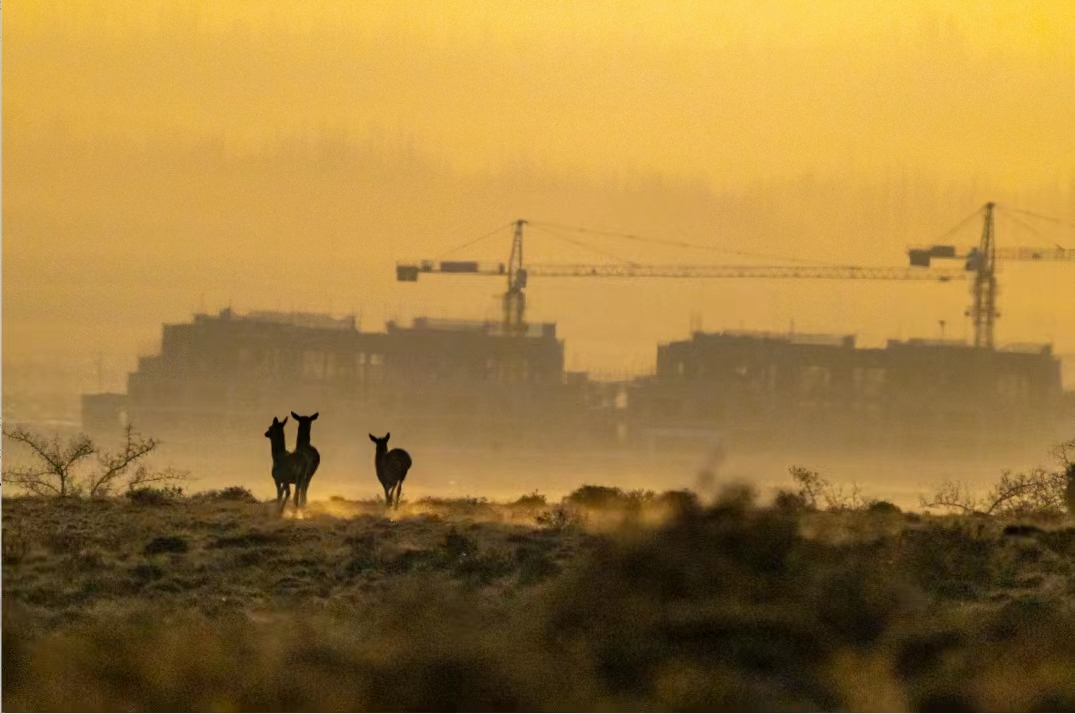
(314, 416)
(284, 421)
(275, 421)
(294, 415)
(386, 436)
(373, 438)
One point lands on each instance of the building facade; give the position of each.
(226, 375)
(808, 390)
(221, 378)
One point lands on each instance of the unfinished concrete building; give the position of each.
(815, 391)
(219, 380)
(226, 375)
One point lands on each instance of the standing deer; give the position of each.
(288, 467)
(392, 467)
(302, 444)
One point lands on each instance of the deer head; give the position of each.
(277, 427)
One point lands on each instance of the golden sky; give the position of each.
(162, 156)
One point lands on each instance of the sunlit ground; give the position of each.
(609, 600)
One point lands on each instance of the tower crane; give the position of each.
(979, 264)
(982, 261)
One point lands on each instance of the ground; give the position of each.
(609, 602)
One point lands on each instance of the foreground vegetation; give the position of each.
(608, 601)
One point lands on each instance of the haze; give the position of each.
(162, 158)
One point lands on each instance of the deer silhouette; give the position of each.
(288, 467)
(392, 467)
(302, 444)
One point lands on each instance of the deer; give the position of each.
(302, 444)
(288, 467)
(392, 467)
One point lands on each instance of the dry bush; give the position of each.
(234, 493)
(597, 497)
(816, 492)
(15, 548)
(531, 500)
(1039, 492)
(59, 467)
(561, 517)
(1036, 493)
(150, 496)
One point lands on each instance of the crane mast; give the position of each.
(984, 308)
(514, 300)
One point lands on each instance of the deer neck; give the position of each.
(279, 449)
(303, 438)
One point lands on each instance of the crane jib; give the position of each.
(978, 263)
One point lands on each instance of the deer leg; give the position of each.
(399, 492)
(287, 495)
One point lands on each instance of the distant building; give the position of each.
(223, 377)
(811, 390)
(228, 374)
(104, 413)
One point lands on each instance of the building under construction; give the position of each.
(435, 380)
(223, 377)
(771, 391)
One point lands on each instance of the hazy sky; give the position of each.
(160, 157)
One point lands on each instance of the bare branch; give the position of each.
(952, 494)
(135, 448)
(1037, 491)
(32, 481)
(59, 460)
(143, 477)
(46, 450)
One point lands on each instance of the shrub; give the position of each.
(232, 493)
(883, 507)
(530, 500)
(534, 565)
(61, 468)
(15, 549)
(817, 492)
(597, 497)
(560, 517)
(789, 502)
(679, 502)
(149, 496)
(166, 544)
(457, 546)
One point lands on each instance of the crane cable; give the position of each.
(586, 246)
(677, 243)
(1021, 222)
(476, 240)
(977, 212)
(1040, 216)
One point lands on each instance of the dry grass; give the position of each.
(640, 602)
